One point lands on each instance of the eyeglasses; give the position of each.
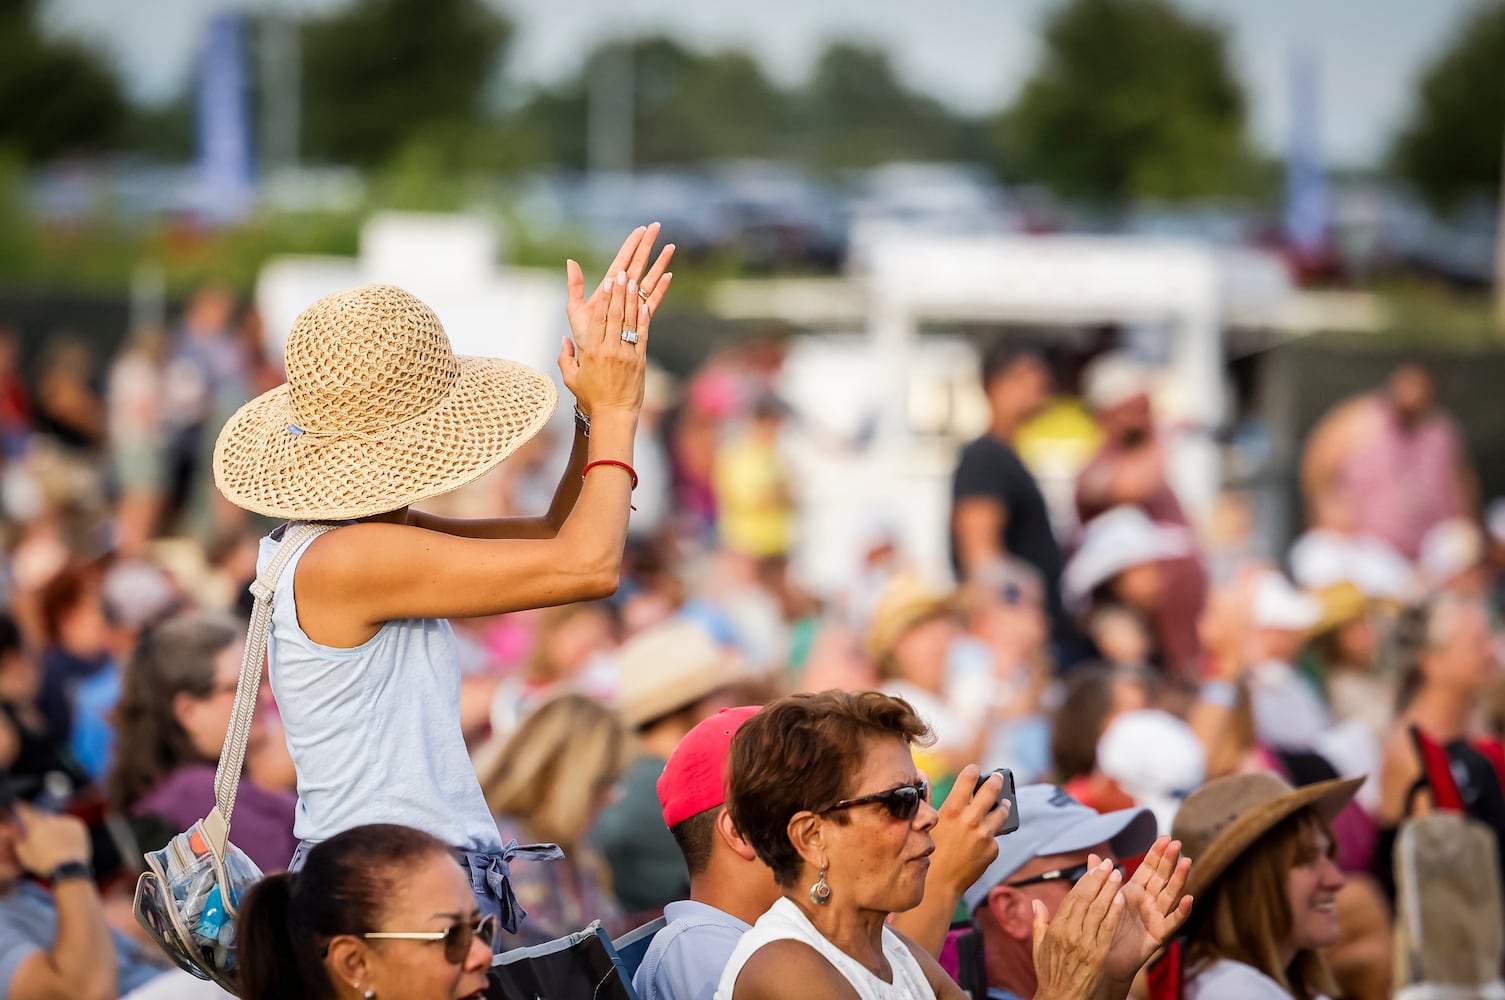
(902, 802)
(456, 940)
(1071, 876)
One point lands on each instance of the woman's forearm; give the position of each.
(568, 490)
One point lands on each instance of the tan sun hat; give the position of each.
(906, 602)
(1221, 820)
(378, 412)
(670, 666)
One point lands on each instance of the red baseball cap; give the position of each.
(694, 777)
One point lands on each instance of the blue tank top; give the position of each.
(374, 730)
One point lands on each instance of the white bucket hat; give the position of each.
(1119, 539)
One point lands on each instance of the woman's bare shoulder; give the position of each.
(786, 969)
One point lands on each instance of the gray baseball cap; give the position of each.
(1052, 822)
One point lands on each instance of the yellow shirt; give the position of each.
(753, 506)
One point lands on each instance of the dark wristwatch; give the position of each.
(582, 422)
(71, 869)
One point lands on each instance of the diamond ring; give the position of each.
(631, 336)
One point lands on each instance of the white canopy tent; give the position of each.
(1186, 290)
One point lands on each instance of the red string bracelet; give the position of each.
(611, 461)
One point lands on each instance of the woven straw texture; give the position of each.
(377, 413)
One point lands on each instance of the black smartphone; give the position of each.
(1007, 795)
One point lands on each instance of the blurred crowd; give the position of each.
(1119, 650)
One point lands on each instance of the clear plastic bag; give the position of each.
(188, 899)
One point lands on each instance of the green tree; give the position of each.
(1449, 149)
(56, 95)
(381, 72)
(1132, 99)
(855, 112)
(687, 106)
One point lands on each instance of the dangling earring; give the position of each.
(820, 892)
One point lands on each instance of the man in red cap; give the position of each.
(730, 888)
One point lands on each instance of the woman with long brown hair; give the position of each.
(1265, 879)
(177, 692)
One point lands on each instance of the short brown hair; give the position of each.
(1246, 915)
(800, 753)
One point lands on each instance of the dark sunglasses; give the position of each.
(902, 802)
(457, 939)
(1071, 876)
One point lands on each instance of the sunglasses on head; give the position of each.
(457, 939)
(1071, 876)
(902, 802)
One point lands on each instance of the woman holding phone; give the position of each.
(379, 414)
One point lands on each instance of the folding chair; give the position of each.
(1449, 927)
(632, 947)
(579, 966)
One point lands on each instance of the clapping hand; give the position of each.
(632, 258)
(1071, 948)
(1155, 908)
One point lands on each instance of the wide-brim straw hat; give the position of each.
(671, 666)
(377, 413)
(1220, 821)
(1341, 603)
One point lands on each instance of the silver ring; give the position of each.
(631, 336)
(642, 293)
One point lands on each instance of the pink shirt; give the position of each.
(1399, 482)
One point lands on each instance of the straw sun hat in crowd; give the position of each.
(1220, 821)
(671, 666)
(906, 602)
(378, 412)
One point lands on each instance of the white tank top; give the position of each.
(785, 922)
(374, 730)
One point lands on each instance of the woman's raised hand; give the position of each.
(605, 364)
(631, 257)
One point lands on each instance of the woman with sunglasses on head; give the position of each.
(825, 790)
(379, 414)
(377, 911)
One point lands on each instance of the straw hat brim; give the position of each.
(1327, 797)
(262, 463)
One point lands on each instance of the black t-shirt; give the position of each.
(990, 468)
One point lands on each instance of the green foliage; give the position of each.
(1132, 99)
(379, 71)
(1450, 149)
(855, 112)
(56, 96)
(691, 106)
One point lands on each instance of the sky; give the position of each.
(973, 54)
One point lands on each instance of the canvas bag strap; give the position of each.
(232, 757)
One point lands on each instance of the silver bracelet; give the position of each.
(582, 422)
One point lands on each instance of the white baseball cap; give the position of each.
(1448, 550)
(1155, 758)
(1113, 379)
(1278, 604)
(1052, 822)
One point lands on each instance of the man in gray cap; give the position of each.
(1042, 860)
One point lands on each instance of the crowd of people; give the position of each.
(536, 700)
